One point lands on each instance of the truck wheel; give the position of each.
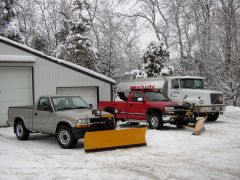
(65, 137)
(213, 117)
(21, 132)
(155, 121)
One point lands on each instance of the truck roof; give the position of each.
(57, 95)
(186, 77)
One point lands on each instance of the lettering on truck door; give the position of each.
(43, 116)
(136, 108)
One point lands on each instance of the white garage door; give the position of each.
(15, 89)
(89, 94)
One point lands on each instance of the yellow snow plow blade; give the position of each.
(199, 126)
(100, 140)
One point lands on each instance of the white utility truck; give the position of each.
(182, 89)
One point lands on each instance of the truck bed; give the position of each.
(23, 107)
(121, 106)
(23, 112)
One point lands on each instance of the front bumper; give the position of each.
(79, 133)
(96, 124)
(210, 109)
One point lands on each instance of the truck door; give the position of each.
(175, 93)
(43, 118)
(136, 108)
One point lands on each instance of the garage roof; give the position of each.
(58, 61)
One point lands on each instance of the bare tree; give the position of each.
(152, 11)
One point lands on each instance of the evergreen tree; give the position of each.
(75, 45)
(104, 64)
(39, 43)
(8, 27)
(155, 59)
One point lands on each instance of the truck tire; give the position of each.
(155, 121)
(213, 117)
(21, 132)
(65, 137)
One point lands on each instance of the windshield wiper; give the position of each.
(64, 108)
(159, 100)
(81, 107)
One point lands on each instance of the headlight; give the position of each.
(201, 101)
(83, 121)
(169, 108)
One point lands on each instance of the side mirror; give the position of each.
(139, 99)
(185, 97)
(91, 106)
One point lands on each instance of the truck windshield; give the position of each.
(192, 83)
(69, 102)
(155, 96)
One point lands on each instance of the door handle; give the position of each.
(36, 113)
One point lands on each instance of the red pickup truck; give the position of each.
(142, 105)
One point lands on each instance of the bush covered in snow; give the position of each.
(155, 64)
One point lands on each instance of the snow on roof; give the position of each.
(59, 61)
(17, 58)
(187, 77)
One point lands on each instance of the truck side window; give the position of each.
(175, 84)
(136, 95)
(44, 105)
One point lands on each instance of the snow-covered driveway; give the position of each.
(170, 154)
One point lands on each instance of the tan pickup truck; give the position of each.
(66, 117)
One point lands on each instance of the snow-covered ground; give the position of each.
(170, 154)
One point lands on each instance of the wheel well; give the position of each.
(109, 109)
(62, 124)
(18, 119)
(153, 110)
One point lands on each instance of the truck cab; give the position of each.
(191, 89)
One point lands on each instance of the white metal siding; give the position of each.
(15, 89)
(89, 94)
(48, 76)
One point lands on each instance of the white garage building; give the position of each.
(26, 74)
